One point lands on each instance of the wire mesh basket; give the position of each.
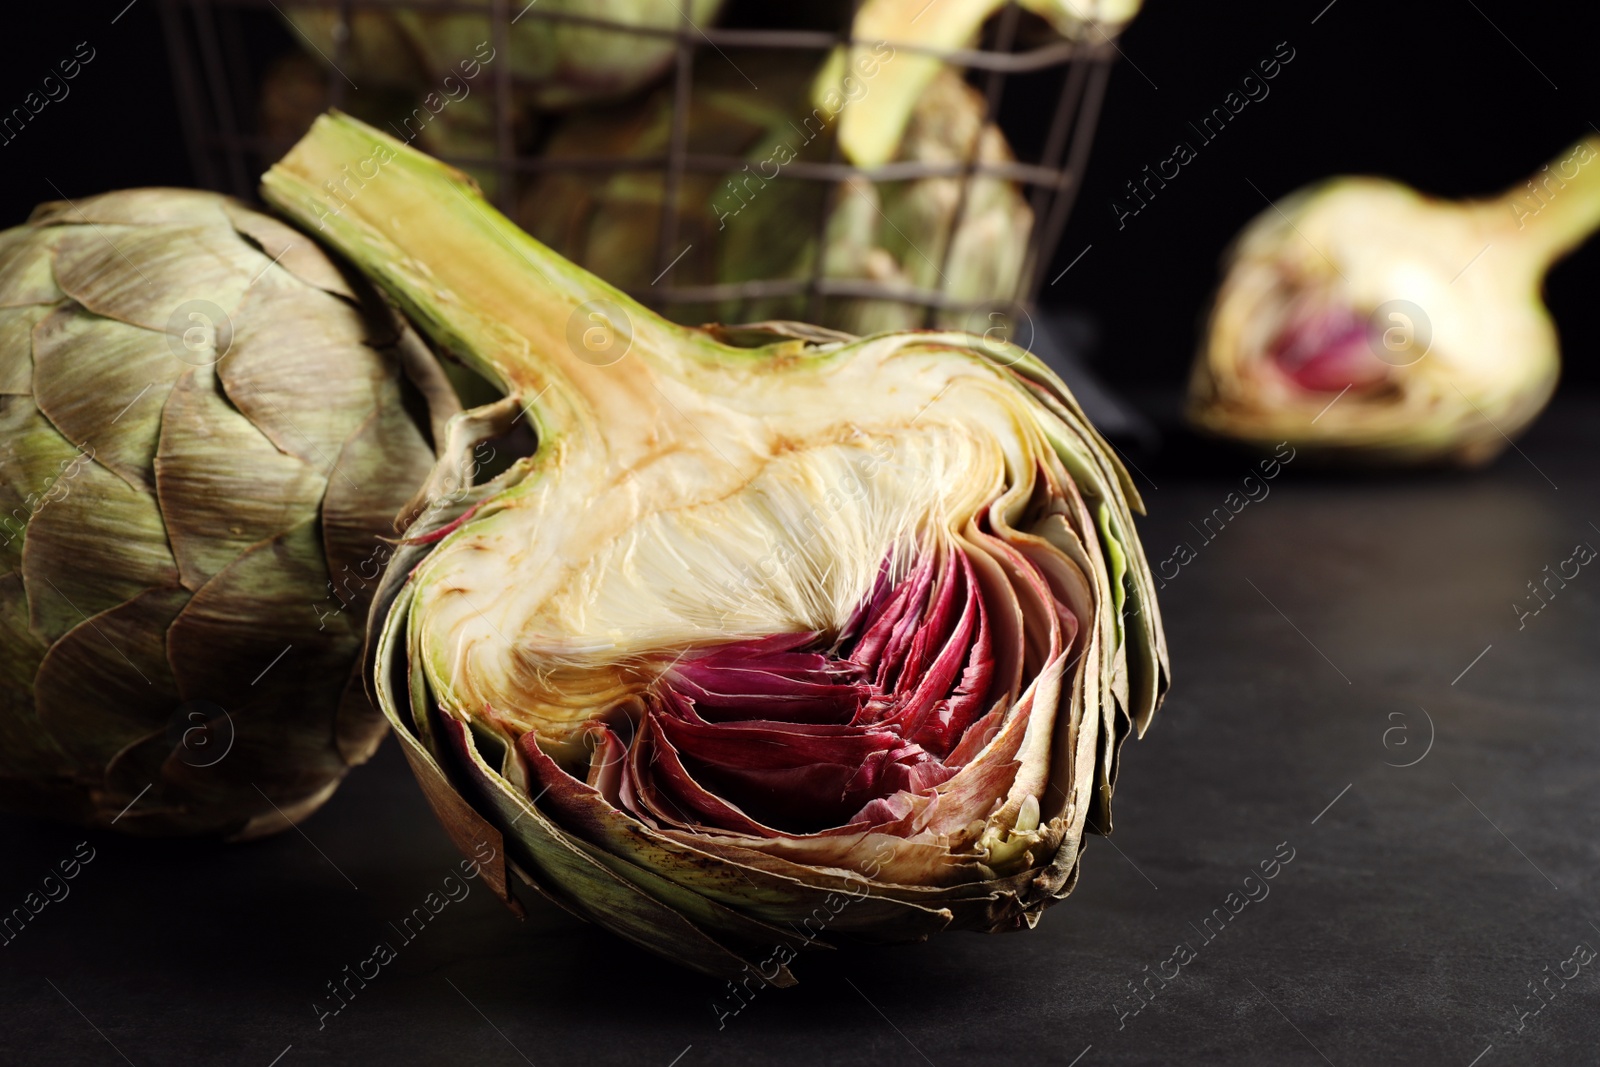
(227, 56)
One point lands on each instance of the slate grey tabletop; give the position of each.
(1361, 685)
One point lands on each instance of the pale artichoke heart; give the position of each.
(775, 521)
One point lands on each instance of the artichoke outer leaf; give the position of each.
(118, 421)
(776, 897)
(358, 725)
(25, 744)
(288, 335)
(372, 480)
(283, 816)
(235, 624)
(154, 208)
(467, 829)
(557, 860)
(222, 486)
(26, 275)
(16, 335)
(89, 700)
(290, 250)
(99, 544)
(93, 268)
(34, 457)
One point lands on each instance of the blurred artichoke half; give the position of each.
(206, 432)
(1362, 320)
(754, 630)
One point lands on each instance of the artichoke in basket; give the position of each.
(610, 223)
(870, 130)
(880, 231)
(561, 52)
(459, 124)
(763, 647)
(207, 430)
(1366, 321)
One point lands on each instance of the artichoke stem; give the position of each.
(579, 353)
(1554, 210)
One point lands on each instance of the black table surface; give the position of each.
(1354, 688)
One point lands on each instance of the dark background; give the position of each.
(1431, 92)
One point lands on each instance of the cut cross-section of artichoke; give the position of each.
(753, 627)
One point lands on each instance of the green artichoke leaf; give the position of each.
(287, 336)
(100, 543)
(26, 274)
(257, 620)
(107, 680)
(16, 335)
(160, 210)
(287, 249)
(133, 273)
(26, 746)
(221, 484)
(374, 476)
(119, 423)
(34, 458)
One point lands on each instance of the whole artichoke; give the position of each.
(763, 647)
(206, 432)
(1367, 322)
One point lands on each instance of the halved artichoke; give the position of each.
(1364, 321)
(763, 647)
(207, 429)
